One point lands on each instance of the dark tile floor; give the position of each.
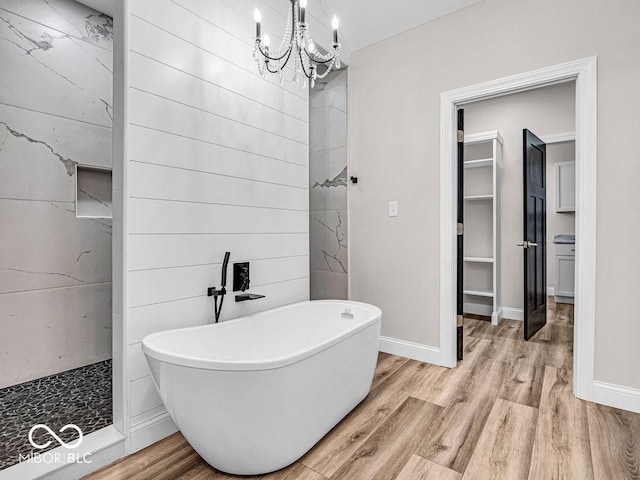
(81, 396)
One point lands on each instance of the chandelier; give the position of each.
(296, 45)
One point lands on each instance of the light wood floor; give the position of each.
(506, 412)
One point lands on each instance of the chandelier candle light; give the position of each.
(296, 43)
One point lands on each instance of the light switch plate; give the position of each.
(393, 209)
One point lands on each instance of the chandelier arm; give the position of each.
(281, 67)
(315, 60)
(274, 59)
(269, 68)
(304, 70)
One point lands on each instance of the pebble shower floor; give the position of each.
(81, 396)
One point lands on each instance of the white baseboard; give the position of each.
(415, 351)
(616, 396)
(478, 309)
(496, 317)
(99, 449)
(152, 431)
(551, 291)
(513, 313)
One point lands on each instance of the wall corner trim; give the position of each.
(414, 351)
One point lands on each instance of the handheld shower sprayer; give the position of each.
(220, 292)
(225, 264)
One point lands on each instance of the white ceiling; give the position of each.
(365, 22)
(104, 6)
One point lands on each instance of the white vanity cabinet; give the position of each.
(565, 273)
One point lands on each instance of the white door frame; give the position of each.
(583, 72)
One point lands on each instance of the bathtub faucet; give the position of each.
(220, 292)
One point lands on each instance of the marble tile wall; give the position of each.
(328, 187)
(55, 113)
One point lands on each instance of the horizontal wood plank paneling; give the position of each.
(199, 61)
(162, 148)
(166, 216)
(241, 27)
(217, 161)
(143, 396)
(166, 251)
(168, 183)
(162, 285)
(196, 311)
(201, 93)
(171, 116)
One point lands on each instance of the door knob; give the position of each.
(526, 244)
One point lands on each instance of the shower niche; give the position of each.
(93, 192)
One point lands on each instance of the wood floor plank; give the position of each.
(504, 448)
(345, 438)
(561, 449)
(512, 329)
(458, 429)
(386, 452)
(418, 468)
(474, 327)
(169, 467)
(523, 382)
(615, 442)
(203, 471)
(131, 465)
(440, 385)
(561, 313)
(286, 473)
(387, 365)
(296, 472)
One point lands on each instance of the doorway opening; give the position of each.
(583, 73)
(494, 213)
(510, 182)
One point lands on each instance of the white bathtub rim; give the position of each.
(168, 356)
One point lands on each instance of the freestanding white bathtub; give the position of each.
(254, 394)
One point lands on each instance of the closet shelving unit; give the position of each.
(483, 212)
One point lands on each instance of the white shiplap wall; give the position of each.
(217, 159)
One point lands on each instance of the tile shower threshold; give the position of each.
(82, 397)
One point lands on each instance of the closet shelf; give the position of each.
(478, 259)
(482, 283)
(479, 292)
(483, 162)
(478, 197)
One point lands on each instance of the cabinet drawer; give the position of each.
(565, 249)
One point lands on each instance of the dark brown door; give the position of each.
(460, 229)
(535, 231)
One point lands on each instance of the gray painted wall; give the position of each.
(55, 112)
(543, 111)
(394, 113)
(328, 187)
